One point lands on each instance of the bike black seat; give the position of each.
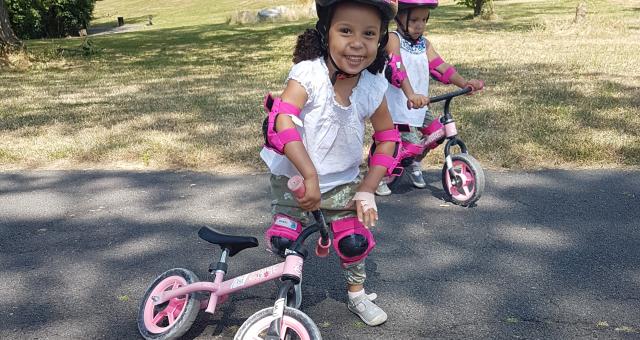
(234, 243)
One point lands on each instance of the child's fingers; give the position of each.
(311, 205)
(372, 218)
(359, 212)
(306, 203)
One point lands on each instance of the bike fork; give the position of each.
(447, 157)
(278, 311)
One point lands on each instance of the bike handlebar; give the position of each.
(296, 185)
(450, 95)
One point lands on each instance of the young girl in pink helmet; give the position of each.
(316, 129)
(412, 59)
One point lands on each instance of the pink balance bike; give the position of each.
(172, 302)
(462, 176)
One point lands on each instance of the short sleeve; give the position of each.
(373, 91)
(303, 72)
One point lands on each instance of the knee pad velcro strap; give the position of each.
(282, 233)
(410, 150)
(276, 140)
(351, 240)
(393, 73)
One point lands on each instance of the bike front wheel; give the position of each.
(296, 325)
(470, 179)
(169, 320)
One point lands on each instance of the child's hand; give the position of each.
(417, 101)
(475, 85)
(366, 208)
(311, 199)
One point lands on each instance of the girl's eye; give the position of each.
(345, 30)
(370, 34)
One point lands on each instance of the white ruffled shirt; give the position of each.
(332, 134)
(414, 58)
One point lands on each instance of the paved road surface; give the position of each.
(550, 254)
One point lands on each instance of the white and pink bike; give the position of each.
(172, 302)
(462, 176)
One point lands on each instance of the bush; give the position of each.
(49, 18)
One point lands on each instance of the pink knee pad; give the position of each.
(351, 240)
(410, 150)
(282, 233)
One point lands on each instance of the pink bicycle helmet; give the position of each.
(388, 8)
(407, 4)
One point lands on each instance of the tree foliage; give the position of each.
(49, 18)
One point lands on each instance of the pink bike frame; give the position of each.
(433, 135)
(291, 267)
(437, 131)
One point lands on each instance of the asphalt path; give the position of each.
(543, 255)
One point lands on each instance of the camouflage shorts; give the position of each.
(334, 207)
(414, 135)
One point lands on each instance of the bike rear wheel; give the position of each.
(471, 176)
(296, 325)
(169, 320)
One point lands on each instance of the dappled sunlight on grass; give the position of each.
(190, 95)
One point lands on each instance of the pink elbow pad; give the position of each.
(389, 162)
(394, 75)
(441, 77)
(276, 140)
(391, 135)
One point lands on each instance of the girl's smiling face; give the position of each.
(417, 21)
(354, 35)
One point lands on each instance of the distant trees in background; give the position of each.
(48, 18)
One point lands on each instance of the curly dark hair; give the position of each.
(309, 46)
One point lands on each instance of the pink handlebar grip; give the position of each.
(296, 185)
(321, 249)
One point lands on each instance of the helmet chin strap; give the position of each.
(338, 73)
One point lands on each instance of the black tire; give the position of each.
(260, 316)
(475, 169)
(185, 319)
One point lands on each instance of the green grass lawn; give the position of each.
(187, 91)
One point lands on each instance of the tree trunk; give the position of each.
(581, 12)
(477, 7)
(488, 12)
(7, 38)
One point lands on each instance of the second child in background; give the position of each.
(412, 60)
